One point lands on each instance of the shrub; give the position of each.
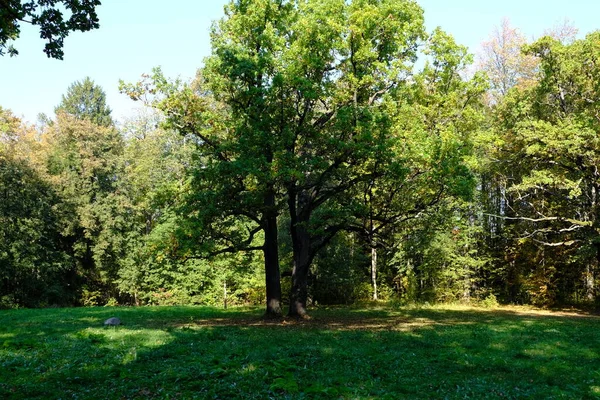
(490, 301)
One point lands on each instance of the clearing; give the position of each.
(351, 353)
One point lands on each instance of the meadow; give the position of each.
(381, 352)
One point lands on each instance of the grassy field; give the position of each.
(366, 353)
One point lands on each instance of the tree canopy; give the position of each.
(86, 100)
(327, 151)
(50, 17)
(301, 103)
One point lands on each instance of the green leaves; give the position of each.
(49, 16)
(548, 150)
(86, 100)
(33, 265)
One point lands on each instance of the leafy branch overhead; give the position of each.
(55, 19)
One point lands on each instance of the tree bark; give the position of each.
(374, 271)
(271, 254)
(589, 283)
(302, 258)
(590, 277)
(301, 246)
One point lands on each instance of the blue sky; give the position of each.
(137, 35)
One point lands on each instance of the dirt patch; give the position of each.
(403, 321)
(539, 312)
(327, 323)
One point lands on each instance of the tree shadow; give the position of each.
(421, 353)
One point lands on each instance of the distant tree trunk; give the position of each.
(374, 270)
(271, 254)
(590, 276)
(372, 243)
(589, 282)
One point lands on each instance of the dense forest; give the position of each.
(326, 152)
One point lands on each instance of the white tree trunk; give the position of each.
(374, 271)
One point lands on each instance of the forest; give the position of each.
(327, 152)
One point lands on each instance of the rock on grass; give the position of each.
(112, 322)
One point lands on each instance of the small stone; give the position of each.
(112, 322)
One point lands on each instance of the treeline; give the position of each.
(328, 152)
(87, 210)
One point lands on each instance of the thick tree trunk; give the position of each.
(301, 246)
(302, 259)
(374, 271)
(271, 253)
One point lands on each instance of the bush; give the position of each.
(111, 302)
(91, 298)
(171, 297)
(490, 301)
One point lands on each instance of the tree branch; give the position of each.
(243, 246)
(543, 219)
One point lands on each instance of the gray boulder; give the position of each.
(112, 322)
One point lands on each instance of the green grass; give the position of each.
(361, 353)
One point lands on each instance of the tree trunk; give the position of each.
(271, 253)
(374, 271)
(590, 276)
(301, 247)
(299, 291)
(589, 282)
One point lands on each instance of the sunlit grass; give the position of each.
(376, 352)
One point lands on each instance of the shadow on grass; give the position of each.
(190, 352)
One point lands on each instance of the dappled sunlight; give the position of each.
(339, 353)
(553, 350)
(247, 369)
(7, 335)
(118, 337)
(327, 350)
(321, 323)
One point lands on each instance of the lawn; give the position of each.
(349, 353)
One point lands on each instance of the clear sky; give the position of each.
(137, 35)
